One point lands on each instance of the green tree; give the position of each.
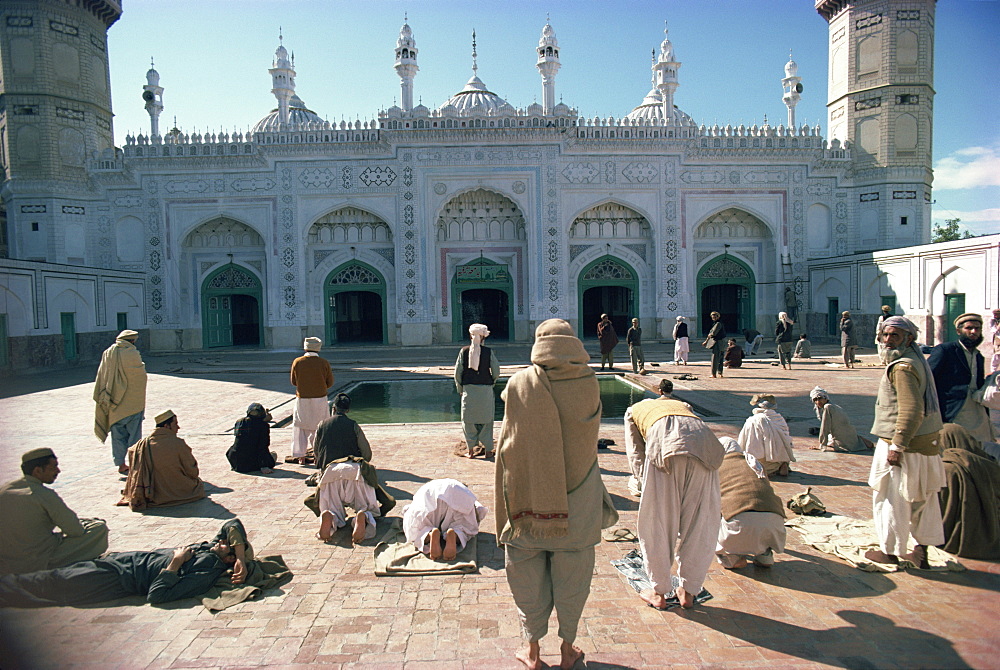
(949, 232)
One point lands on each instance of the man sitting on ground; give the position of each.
(733, 357)
(803, 348)
(836, 432)
(765, 435)
(31, 510)
(442, 506)
(340, 436)
(160, 575)
(162, 469)
(753, 519)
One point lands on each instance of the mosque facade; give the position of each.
(407, 227)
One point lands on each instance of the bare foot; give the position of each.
(570, 656)
(919, 557)
(360, 526)
(123, 469)
(657, 600)
(325, 526)
(471, 454)
(783, 470)
(742, 563)
(531, 657)
(450, 545)
(879, 556)
(686, 599)
(436, 544)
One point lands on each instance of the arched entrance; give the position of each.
(481, 292)
(354, 294)
(231, 308)
(726, 285)
(607, 286)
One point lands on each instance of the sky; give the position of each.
(213, 58)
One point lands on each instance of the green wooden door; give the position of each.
(832, 316)
(219, 321)
(67, 322)
(955, 307)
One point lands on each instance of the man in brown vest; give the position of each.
(753, 519)
(677, 458)
(907, 471)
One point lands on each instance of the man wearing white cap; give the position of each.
(476, 371)
(31, 510)
(312, 378)
(120, 394)
(765, 435)
(162, 469)
(959, 371)
(836, 432)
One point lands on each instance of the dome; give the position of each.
(297, 113)
(791, 68)
(476, 100)
(421, 110)
(651, 109)
(534, 109)
(562, 109)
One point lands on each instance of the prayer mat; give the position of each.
(631, 566)
(849, 539)
(395, 557)
(267, 572)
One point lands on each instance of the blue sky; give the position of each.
(213, 57)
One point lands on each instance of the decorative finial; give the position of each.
(151, 66)
(666, 27)
(280, 36)
(789, 54)
(546, 18)
(406, 17)
(475, 67)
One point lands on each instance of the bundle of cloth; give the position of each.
(970, 502)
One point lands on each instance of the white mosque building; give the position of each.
(407, 227)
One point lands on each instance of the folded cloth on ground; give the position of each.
(396, 557)
(264, 573)
(631, 566)
(849, 539)
(618, 535)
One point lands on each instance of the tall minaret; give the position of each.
(548, 65)
(666, 76)
(406, 64)
(792, 85)
(282, 79)
(152, 93)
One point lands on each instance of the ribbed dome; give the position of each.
(476, 100)
(652, 109)
(297, 113)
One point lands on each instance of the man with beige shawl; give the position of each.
(550, 501)
(120, 394)
(677, 458)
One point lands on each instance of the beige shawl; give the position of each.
(548, 440)
(120, 387)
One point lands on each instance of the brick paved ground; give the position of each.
(810, 610)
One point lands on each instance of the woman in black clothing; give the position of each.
(717, 335)
(783, 337)
(249, 452)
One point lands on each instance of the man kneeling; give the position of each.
(160, 575)
(753, 520)
(442, 506)
(343, 485)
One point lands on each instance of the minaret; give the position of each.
(548, 65)
(282, 79)
(666, 76)
(792, 85)
(152, 93)
(406, 64)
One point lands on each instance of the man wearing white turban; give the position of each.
(836, 432)
(476, 371)
(312, 378)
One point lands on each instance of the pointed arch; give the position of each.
(476, 214)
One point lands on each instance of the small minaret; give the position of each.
(792, 85)
(152, 93)
(282, 79)
(406, 64)
(666, 76)
(548, 65)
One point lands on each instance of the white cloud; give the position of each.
(978, 222)
(968, 168)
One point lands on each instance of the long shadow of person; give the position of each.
(819, 575)
(871, 641)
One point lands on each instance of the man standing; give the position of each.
(886, 313)
(993, 332)
(608, 338)
(120, 394)
(959, 371)
(716, 341)
(31, 510)
(312, 378)
(633, 338)
(907, 470)
(162, 469)
(550, 500)
(476, 371)
(677, 458)
(847, 341)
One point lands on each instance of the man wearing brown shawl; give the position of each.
(120, 396)
(162, 469)
(970, 500)
(550, 500)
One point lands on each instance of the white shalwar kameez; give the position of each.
(342, 486)
(681, 350)
(443, 504)
(905, 500)
(765, 436)
(308, 414)
(753, 536)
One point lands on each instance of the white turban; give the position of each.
(818, 393)
(479, 332)
(784, 317)
(312, 344)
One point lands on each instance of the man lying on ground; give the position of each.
(160, 575)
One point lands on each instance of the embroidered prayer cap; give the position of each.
(818, 392)
(127, 335)
(902, 323)
(164, 416)
(968, 316)
(41, 452)
(604, 316)
(312, 344)
(762, 397)
(479, 329)
(845, 313)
